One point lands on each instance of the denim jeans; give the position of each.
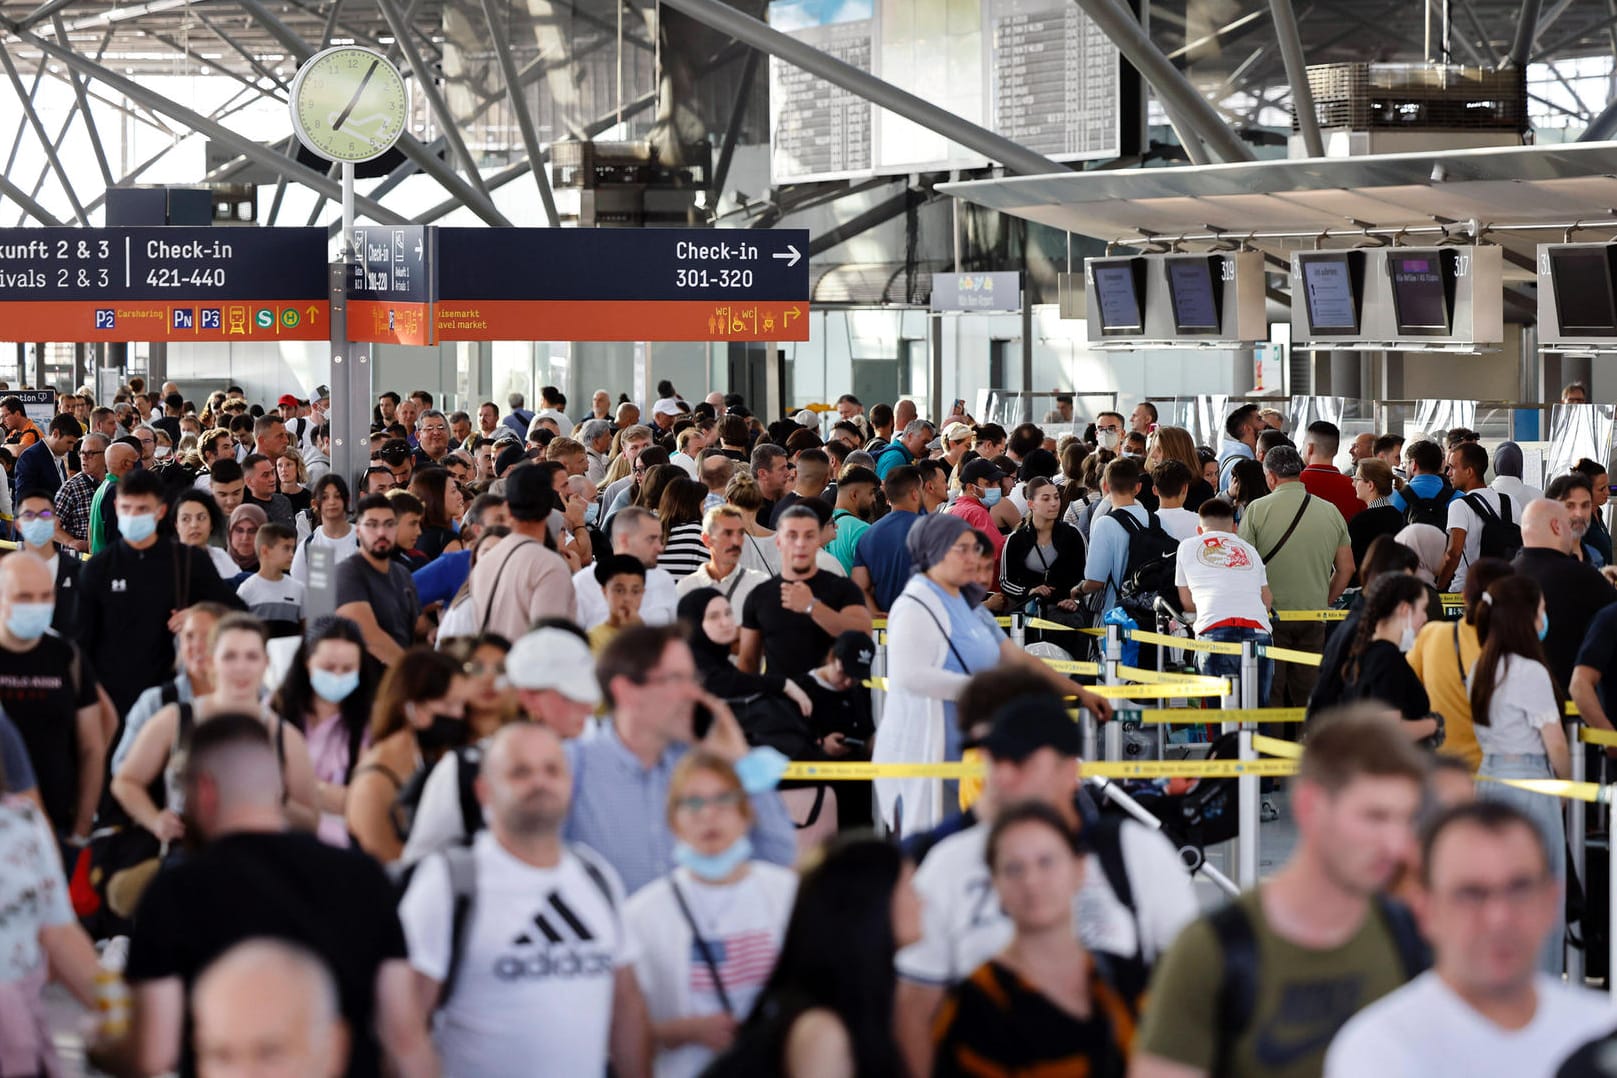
(1230, 665)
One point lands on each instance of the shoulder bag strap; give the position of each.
(461, 862)
(494, 590)
(1296, 520)
(703, 948)
(1458, 660)
(946, 637)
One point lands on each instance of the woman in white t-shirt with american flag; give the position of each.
(708, 933)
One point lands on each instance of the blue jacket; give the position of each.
(36, 470)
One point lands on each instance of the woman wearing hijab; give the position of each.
(1429, 544)
(938, 637)
(772, 710)
(241, 539)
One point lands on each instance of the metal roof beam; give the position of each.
(519, 106)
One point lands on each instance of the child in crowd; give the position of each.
(623, 584)
(272, 594)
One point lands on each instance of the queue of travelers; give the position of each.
(475, 762)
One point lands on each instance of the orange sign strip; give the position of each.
(385, 322)
(620, 320)
(154, 320)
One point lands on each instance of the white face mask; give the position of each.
(1108, 439)
(1406, 640)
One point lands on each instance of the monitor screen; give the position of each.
(1422, 293)
(1582, 279)
(1193, 289)
(1117, 291)
(1330, 291)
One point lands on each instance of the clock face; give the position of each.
(349, 104)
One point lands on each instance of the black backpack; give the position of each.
(1153, 557)
(1501, 537)
(1433, 510)
(1237, 999)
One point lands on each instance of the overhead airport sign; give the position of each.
(389, 286)
(977, 292)
(1209, 300)
(164, 284)
(1410, 299)
(568, 284)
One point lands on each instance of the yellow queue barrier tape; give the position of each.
(1274, 746)
(1592, 792)
(1311, 615)
(1572, 710)
(1135, 673)
(1590, 736)
(1212, 647)
(837, 771)
(1287, 655)
(1067, 666)
(1191, 716)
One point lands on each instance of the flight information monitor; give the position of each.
(1332, 284)
(1584, 301)
(1119, 291)
(1195, 289)
(1422, 291)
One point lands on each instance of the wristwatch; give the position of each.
(809, 609)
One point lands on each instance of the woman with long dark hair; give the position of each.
(327, 694)
(1043, 559)
(1247, 485)
(442, 503)
(1375, 668)
(326, 524)
(1386, 555)
(679, 510)
(197, 520)
(1516, 709)
(828, 1006)
(1598, 536)
(420, 714)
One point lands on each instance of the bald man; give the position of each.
(268, 1009)
(494, 1023)
(250, 877)
(1574, 592)
(904, 414)
(122, 456)
(48, 691)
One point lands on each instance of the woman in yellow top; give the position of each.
(1443, 655)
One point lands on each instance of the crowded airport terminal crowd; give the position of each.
(476, 763)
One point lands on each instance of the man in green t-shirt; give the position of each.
(122, 456)
(1260, 988)
(856, 495)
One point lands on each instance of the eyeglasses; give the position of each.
(1111, 428)
(434, 430)
(477, 668)
(728, 800)
(28, 515)
(1515, 894)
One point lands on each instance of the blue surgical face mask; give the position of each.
(991, 497)
(761, 769)
(331, 686)
(137, 527)
(28, 621)
(1544, 630)
(715, 866)
(37, 532)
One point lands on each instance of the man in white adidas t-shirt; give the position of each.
(1033, 749)
(542, 982)
(1488, 898)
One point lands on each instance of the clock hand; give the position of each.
(355, 99)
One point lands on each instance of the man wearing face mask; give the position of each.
(36, 527)
(49, 692)
(1109, 430)
(136, 591)
(980, 491)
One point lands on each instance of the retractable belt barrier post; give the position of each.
(1111, 675)
(1246, 836)
(1019, 629)
(1575, 843)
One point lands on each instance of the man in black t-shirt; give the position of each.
(789, 621)
(1574, 592)
(375, 589)
(253, 878)
(48, 690)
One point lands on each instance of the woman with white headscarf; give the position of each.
(938, 636)
(1429, 544)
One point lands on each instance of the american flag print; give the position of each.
(744, 960)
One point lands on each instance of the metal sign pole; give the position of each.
(1575, 843)
(1246, 853)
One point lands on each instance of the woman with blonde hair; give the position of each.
(710, 930)
(758, 550)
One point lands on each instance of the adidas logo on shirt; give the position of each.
(559, 933)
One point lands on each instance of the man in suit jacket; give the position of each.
(43, 465)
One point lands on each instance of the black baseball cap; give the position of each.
(854, 650)
(979, 470)
(1030, 723)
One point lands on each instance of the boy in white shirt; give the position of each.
(1171, 481)
(272, 594)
